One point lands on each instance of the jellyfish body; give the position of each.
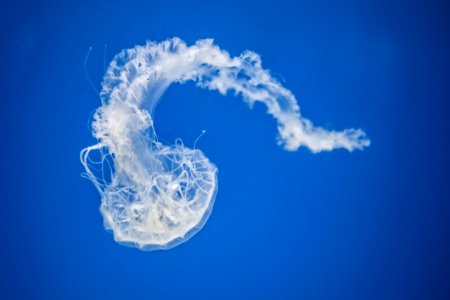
(157, 196)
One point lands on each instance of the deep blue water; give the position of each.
(371, 224)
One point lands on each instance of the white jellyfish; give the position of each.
(156, 196)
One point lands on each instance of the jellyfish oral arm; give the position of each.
(157, 196)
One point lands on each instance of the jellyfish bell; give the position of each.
(156, 196)
(164, 207)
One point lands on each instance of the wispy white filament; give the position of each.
(156, 196)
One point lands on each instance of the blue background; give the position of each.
(366, 225)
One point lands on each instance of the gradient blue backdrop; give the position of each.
(366, 225)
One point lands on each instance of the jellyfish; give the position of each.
(157, 196)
